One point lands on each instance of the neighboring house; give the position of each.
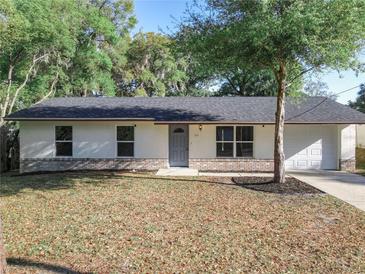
(216, 133)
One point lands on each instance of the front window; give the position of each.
(234, 141)
(63, 140)
(244, 141)
(224, 139)
(125, 141)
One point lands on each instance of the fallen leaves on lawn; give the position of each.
(122, 222)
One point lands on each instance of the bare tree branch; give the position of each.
(232, 84)
(290, 82)
(27, 76)
(8, 91)
(51, 90)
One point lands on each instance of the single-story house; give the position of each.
(210, 134)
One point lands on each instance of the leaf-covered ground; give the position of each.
(120, 222)
(266, 184)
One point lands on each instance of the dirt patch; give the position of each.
(292, 186)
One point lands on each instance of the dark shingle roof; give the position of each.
(194, 109)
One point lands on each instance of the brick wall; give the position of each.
(221, 164)
(60, 164)
(348, 165)
(218, 164)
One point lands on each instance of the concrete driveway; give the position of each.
(345, 186)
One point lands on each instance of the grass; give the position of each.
(121, 222)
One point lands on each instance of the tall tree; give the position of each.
(220, 77)
(288, 37)
(63, 45)
(359, 103)
(152, 68)
(243, 82)
(104, 29)
(34, 32)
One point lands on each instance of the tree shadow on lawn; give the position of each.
(292, 186)
(12, 185)
(20, 262)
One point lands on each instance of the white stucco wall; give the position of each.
(36, 140)
(263, 146)
(309, 143)
(98, 140)
(92, 139)
(203, 142)
(347, 142)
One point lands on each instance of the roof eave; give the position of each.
(260, 122)
(183, 122)
(77, 119)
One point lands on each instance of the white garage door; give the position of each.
(310, 147)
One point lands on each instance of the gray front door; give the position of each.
(179, 145)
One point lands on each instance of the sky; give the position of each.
(158, 15)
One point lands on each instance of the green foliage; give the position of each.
(36, 34)
(247, 83)
(261, 35)
(82, 47)
(359, 103)
(104, 29)
(153, 68)
(286, 37)
(60, 47)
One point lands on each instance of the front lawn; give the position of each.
(122, 222)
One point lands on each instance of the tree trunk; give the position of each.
(4, 106)
(279, 157)
(2, 252)
(84, 92)
(3, 148)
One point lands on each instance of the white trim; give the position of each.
(235, 142)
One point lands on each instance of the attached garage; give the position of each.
(311, 147)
